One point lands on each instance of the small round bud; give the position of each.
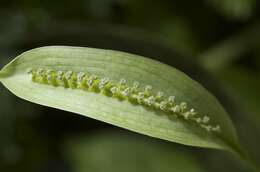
(186, 115)
(49, 78)
(183, 106)
(60, 73)
(68, 75)
(148, 88)
(80, 76)
(90, 82)
(126, 92)
(150, 100)
(198, 120)
(176, 109)
(136, 84)
(159, 95)
(171, 100)
(103, 83)
(114, 90)
(216, 128)
(122, 81)
(205, 119)
(140, 97)
(207, 127)
(163, 105)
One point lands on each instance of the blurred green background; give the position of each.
(216, 42)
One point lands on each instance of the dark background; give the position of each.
(216, 42)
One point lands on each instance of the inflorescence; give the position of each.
(121, 90)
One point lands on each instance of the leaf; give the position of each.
(234, 9)
(75, 79)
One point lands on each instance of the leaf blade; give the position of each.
(118, 65)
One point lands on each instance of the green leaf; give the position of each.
(234, 9)
(75, 79)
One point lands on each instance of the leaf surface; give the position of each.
(140, 117)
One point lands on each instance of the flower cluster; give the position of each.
(121, 90)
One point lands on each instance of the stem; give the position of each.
(230, 49)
